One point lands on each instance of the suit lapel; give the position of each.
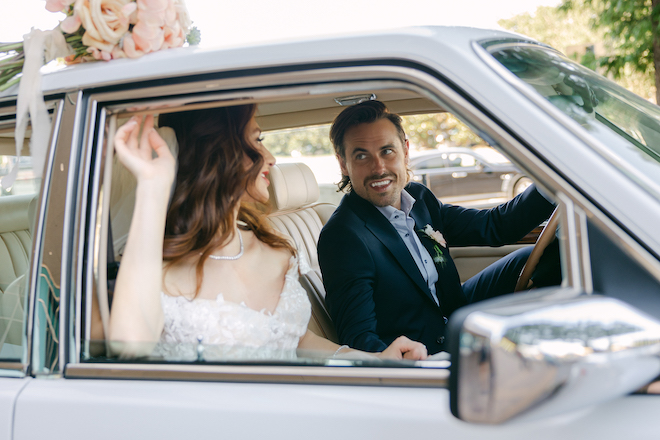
(422, 217)
(385, 232)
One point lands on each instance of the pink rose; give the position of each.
(130, 49)
(148, 38)
(57, 5)
(174, 36)
(99, 54)
(70, 24)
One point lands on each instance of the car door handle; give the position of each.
(459, 175)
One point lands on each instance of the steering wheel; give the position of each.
(545, 238)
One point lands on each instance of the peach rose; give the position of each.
(105, 21)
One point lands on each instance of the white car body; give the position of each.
(79, 400)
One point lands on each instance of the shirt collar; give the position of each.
(407, 202)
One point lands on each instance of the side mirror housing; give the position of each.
(547, 352)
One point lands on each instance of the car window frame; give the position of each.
(261, 88)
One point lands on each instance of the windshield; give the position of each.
(625, 124)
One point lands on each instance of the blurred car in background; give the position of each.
(463, 176)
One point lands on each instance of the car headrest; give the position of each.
(292, 186)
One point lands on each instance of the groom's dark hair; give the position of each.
(363, 113)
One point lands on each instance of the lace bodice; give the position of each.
(231, 330)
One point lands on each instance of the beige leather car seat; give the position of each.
(17, 214)
(296, 213)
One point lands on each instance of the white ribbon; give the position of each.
(31, 100)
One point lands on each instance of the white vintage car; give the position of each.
(570, 361)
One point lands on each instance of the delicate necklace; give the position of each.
(235, 257)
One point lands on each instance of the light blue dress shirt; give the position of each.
(405, 226)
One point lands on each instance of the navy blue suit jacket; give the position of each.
(375, 291)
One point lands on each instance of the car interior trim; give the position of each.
(13, 366)
(325, 375)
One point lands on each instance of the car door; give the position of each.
(81, 390)
(471, 178)
(434, 173)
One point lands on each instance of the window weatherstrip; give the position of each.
(363, 376)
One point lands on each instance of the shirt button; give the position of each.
(396, 216)
(407, 235)
(440, 339)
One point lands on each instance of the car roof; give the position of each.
(418, 44)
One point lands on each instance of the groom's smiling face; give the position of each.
(375, 161)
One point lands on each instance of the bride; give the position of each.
(210, 269)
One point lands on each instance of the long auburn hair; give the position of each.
(210, 183)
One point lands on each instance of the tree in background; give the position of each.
(438, 129)
(424, 132)
(579, 22)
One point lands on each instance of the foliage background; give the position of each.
(424, 132)
(615, 24)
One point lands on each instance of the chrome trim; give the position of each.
(102, 223)
(569, 242)
(54, 225)
(547, 354)
(409, 377)
(77, 218)
(583, 250)
(82, 285)
(69, 237)
(38, 234)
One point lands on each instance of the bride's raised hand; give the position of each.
(136, 154)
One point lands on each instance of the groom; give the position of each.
(384, 252)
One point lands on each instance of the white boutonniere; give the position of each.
(439, 257)
(434, 235)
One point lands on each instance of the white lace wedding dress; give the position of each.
(223, 330)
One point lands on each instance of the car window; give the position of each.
(627, 126)
(439, 162)
(434, 141)
(17, 211)
(461, 160)
(113, 205)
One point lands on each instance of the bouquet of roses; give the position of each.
(104, 30)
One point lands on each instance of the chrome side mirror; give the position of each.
(546, 353)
